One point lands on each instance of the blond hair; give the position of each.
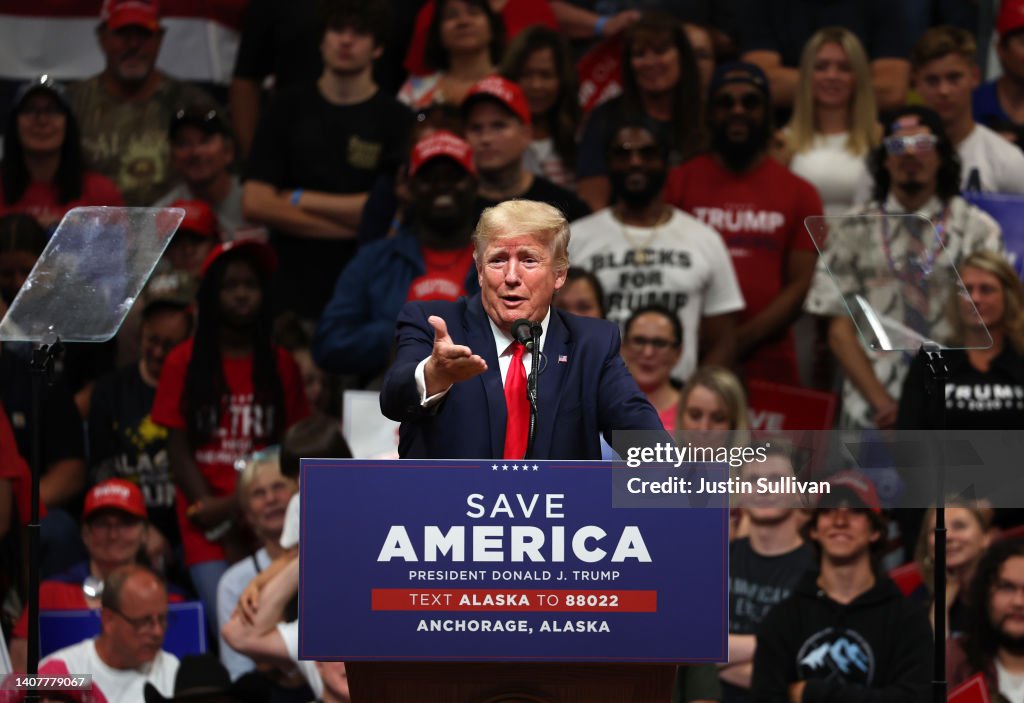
(863, 126)
(1013, 296)
(256, 465)
(514, 218)
(724, 384)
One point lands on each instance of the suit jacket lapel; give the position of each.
(480, 339)
(549, 383)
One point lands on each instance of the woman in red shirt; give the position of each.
(43, 171)
(223, 394)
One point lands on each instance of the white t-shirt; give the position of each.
(290, 532)
(833, 170)
(541, 159)
(229, 590)
(115, 685)
(999, 164)
(682, 264)
(289, 632)
(1010, 685)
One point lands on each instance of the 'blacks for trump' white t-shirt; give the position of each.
(682, 264)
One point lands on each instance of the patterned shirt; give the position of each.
(895, 265)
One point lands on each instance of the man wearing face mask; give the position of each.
(431, 258)
(758, 207)
(916, 171)
(645, 251)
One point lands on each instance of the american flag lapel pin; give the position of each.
(563, 359)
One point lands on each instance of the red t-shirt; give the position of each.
(40, 199)
(517, 15)
(236, 437)
(14, 468)
(760, 215)
(445, 276)
(59, 595)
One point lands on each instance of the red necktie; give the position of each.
(517, 424)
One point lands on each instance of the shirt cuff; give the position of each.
(421, 386)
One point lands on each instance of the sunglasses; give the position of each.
(748, 101)
(914, 144)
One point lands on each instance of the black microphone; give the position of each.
(522, 332)
(535, 332)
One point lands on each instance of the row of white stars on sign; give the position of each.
(515, 467)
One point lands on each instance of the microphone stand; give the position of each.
(531, 385)
(42, 363)
(938, 372)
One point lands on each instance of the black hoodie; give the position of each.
(876, 649)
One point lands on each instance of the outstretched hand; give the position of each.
(449, 363)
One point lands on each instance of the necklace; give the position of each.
(641, 245)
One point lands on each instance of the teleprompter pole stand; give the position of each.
(42, 361)
(938, 372)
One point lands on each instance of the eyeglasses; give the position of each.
(910, 144)
(156, 621)
(1007, 588)
(657, 343)
(748, 101)
(114, 523)
(34, 111)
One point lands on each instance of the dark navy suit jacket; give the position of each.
(584, 388)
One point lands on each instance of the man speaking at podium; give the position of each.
(459, 380)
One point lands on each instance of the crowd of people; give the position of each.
(318, 203)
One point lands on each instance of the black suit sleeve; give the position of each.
(399, 397)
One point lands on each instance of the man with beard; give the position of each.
(916, 172)
(994, 646)
(764, 567)
(645, 251)
(124, 111)
(318, 149)
(846, 633)
(430, 258)
(497, 119)
(758, 207)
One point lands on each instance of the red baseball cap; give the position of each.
(262, 253)
(1011, 17)
(115, 494)
(441, 144)
(131, 13)
(199, 218)
(854, 488)
(504, 91)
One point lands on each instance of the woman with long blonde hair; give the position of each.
(835, 117)
(985, 383)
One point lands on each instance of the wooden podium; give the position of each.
(498, 682)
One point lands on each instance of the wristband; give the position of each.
(599, 25)
(295, 196)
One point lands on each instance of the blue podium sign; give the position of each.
(472, 560)
(186, 629)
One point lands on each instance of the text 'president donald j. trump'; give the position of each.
(458, 382)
